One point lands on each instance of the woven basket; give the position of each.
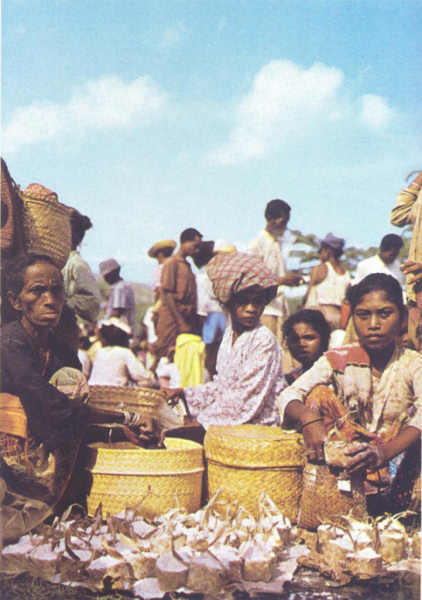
(46, 224)
(139, 399)
(246, 460)
(123, 474)
(322, 501)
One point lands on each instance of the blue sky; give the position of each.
(152, 116)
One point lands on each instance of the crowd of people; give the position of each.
(222, 346)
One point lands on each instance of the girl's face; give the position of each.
(41, 299)
(247, 308)
(377, 320)
(304, 343)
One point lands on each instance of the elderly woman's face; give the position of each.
(41, 299)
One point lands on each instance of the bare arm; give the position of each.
(318, 274)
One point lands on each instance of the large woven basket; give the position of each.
(322, 500)
(46, 224)
(123, 474)
(246, 460)
(140, 399)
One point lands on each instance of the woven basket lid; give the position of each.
(254, 446)
(126, 459)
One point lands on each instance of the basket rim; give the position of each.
(109, 448)
(273, 432)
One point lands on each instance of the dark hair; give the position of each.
(167, 251)
(390, 241)
(377, 282)
(337, 252)
(188, 235)
(205, 254)
(79, 224)
(276, 208)
(114, 336)
(16, 267)
(268, 293)
(311, 317)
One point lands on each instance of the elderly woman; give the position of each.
(249, 375)
(35, 363)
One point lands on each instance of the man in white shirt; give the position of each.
(386, 261)
(273, 245)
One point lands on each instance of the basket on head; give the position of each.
(246, 460)
(46, 224)
(113, 397)
(124, 475)
(323, 501)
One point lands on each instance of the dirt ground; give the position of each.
(307, 585)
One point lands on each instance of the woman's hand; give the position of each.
(147, 433)
(174, 395)
(314, 436)
(364, 456)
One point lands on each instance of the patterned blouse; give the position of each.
(248, 380)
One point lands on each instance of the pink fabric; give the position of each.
(249, 377)
(233, 273)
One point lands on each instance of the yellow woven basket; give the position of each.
(246, 460)
(140, 399)
(322, 500)
(123, 474)
(47, 229)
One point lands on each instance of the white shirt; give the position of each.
(207, 302)
(114, 365)
(374, 264)
(274, 252)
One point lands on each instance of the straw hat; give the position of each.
(152, 252)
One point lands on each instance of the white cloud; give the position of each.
(173, 35)
(106, 103)
(286, 102)
(375, 112)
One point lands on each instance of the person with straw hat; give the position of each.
(160, 251)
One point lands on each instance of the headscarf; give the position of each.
(233, 273)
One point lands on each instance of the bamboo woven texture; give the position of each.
(322, 501)
(123, 475)
(246, 460)
(138, 399)
(47, 229)
(13, 417)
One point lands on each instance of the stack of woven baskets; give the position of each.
(246, 460)
(153, 480)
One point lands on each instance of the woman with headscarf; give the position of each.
(249, 372)
(328, 282)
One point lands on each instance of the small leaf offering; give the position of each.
(170, 572)
(206, 575)
(364, 564)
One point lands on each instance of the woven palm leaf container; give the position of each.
(113, 397)
(323, 501)
(156, 480)
(46, 224)
(246, 460)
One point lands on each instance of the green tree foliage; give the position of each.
(351, 255)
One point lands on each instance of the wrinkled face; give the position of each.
(389, 256)
(304, 343)
(41, 299)
(192, 247)
(246, 309)
(377, 321)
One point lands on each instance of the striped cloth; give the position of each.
(233, 273)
